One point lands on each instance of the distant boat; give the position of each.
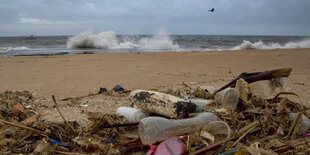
(31, 37)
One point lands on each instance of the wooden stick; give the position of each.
(257, 76)
(56, 105)
(27, 136)
(24, 127)
(131, 142)
(66, 153)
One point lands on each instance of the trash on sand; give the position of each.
(118, 88)
(305, 122)
(244, 91)
(227, 98)
(111, 139)
(201, 103)
(170, 146)
(154, 129)
(258, 76)
(102, 90)
(219, 129)
(131, 114)
(58, 142)
(261, 125)
(262, 89)
(162, 104)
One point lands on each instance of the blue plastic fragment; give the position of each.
(281, 82)
(229, 152)
(58, 142)
(118, 88)
(111, 139)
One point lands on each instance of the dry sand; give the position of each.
(76, 75)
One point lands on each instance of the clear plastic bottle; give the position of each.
(131, 114)
(227, 98)
(154, 129)
(201, 103)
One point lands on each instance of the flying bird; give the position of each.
(212, 10)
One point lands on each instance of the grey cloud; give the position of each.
(285, 17)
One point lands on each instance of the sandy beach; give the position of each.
(76, 75)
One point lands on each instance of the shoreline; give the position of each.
(72, 75)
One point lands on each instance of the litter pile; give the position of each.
(249, 115)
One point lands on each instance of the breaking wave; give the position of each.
(260, 45)
(109, 40)
(7, 49)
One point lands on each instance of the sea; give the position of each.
(110, 42)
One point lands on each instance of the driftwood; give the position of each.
(162, 104)
(258, 76)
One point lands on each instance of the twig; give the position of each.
(294, 123)
(240, 138)
(56, 105)
(27, 136)
(66, 153)
(131, 142)
(24, 127)
(293, 143)
(119, 125)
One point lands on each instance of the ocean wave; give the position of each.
(109, 40)
(7, 49)
(260, 45)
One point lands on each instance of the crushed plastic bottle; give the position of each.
(131, 114)
(219, 129)
(154, 129)
(227, 98)
(305, 122)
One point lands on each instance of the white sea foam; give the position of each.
(260, 45)
(108, 40)
(7, 49)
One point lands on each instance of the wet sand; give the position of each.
(76, 75)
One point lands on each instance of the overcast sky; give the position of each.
(232, 17)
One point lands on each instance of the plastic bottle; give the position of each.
(305, 122)
(219, 129)
(131, 114)
(201, 103)
(227, 98)
(154, 129)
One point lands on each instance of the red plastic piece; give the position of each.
(171, 146)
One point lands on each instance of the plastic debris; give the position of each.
(58, 142)
(262, 89)
(154, 129)
(170, 146)
(162, 104)
(111, 139)
(131, 114)
(227, 98)
(102, 90)
(118, 88)
(265, 124)
(201, 103)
